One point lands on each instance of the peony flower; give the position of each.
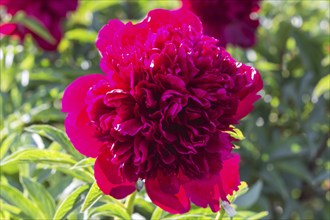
(49, 13)
(162, 111)
(230, 21)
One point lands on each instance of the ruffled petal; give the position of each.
(160, 17)
(167, 193)
(130, 127)
(107, 33)
(229, 175)
(81, 134)
(109, 178)
(204, 192)
(245, 106)
(75, 94)
(209, 191)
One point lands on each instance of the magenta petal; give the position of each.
(7, 28)
(107, 33)
(160, 17)
(81, 134)
(210, 190)
(172, 203)
(204, 192)
(246, 105)
(230, 175)
(109, 178)
(130, 127)
(219, 142)
(75, 94)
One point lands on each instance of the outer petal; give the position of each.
(173, 200)
(77, 123)
(75, 94)
(246, 104)
(81, 134)
(210, 190)
(109, 178)
(204, 192)
(229, 175)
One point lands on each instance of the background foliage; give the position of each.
(285, 155)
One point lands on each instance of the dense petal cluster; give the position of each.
(162, 111)
(230, 21)
(50, 13)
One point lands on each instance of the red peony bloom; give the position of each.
(162, 112)
(49, 12)
(227, 20)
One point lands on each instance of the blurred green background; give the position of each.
(285, 153)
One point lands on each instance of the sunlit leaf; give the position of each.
(157, 214)
(257, 216)
(40, 196)
(68, 204)
(113, 210)
(78, 174)
(56, 135)
(250, 215)
(81, 35)
(86, 162)
(93, 195)
(36, 155)
(6, 144)
(13, 210)
(322, 86)
(16, 198)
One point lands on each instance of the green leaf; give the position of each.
(38, 156)
(157, 214)
(78, 174)
(322, 86)
(40, 196)
(56, 135)
(12, 209)
(16, 198)
(6, 144)
(249, 198)
(90, 6)
(188, 217)
(93, 195)
(143, 207)
(69, 203)
(34, 25)
(195, 212)
(113, 210)
(248, 215)
(81, 35)
(86, 162)
(258, 216)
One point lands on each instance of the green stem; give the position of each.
(220, 214)
(129, 204)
